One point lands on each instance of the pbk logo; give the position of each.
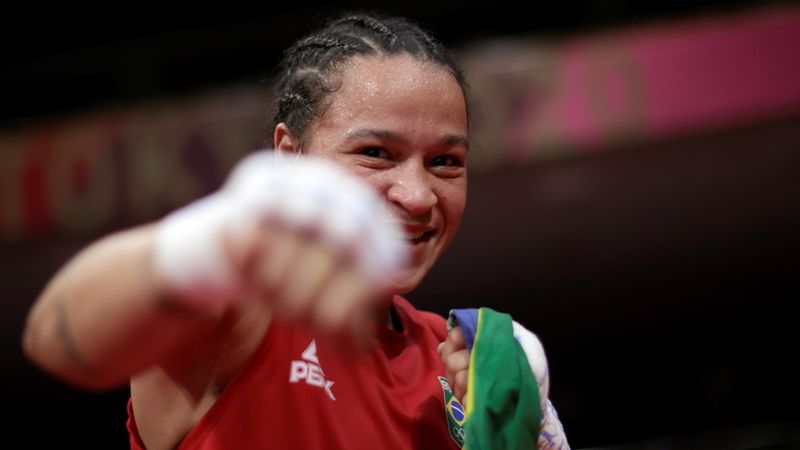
(309, 370)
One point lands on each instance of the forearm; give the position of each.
(105, 315)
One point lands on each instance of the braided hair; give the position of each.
(311, 66)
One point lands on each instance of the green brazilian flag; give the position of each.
(503, 409)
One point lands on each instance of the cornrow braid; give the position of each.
(310, 70)
(370, 23)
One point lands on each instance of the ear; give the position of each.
(283, 139)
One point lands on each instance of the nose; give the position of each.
(411, 189)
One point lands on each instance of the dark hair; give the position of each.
(310, 67)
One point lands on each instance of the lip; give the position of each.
(423, 237)
(417, 234)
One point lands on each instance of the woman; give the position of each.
(233, 317)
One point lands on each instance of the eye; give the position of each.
(447, 161)
(374, 152)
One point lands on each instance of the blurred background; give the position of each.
(634, 191)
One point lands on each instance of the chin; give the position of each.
(407, 281)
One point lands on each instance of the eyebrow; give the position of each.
(446, 141)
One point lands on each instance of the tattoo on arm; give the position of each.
(70, 347)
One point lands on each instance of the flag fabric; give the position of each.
(506, 401)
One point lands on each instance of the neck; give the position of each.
(388, 316)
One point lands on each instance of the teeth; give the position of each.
(413, 237)
(409, 235)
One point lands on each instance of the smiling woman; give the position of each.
(407, 137)
(268, 314)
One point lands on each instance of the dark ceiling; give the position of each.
(62, 59)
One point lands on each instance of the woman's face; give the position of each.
(401, 125)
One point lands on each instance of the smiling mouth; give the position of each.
(423, 237)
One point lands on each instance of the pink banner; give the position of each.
(625, 87)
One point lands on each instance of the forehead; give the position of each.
(398, 93)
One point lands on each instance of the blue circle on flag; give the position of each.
(456, 410)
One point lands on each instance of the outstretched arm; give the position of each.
(106, 315)
(277, 232)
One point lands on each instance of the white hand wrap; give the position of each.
(551, 433)
(305, 193)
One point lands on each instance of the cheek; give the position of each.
(344, 161)
(453, 201)
(381, 181)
